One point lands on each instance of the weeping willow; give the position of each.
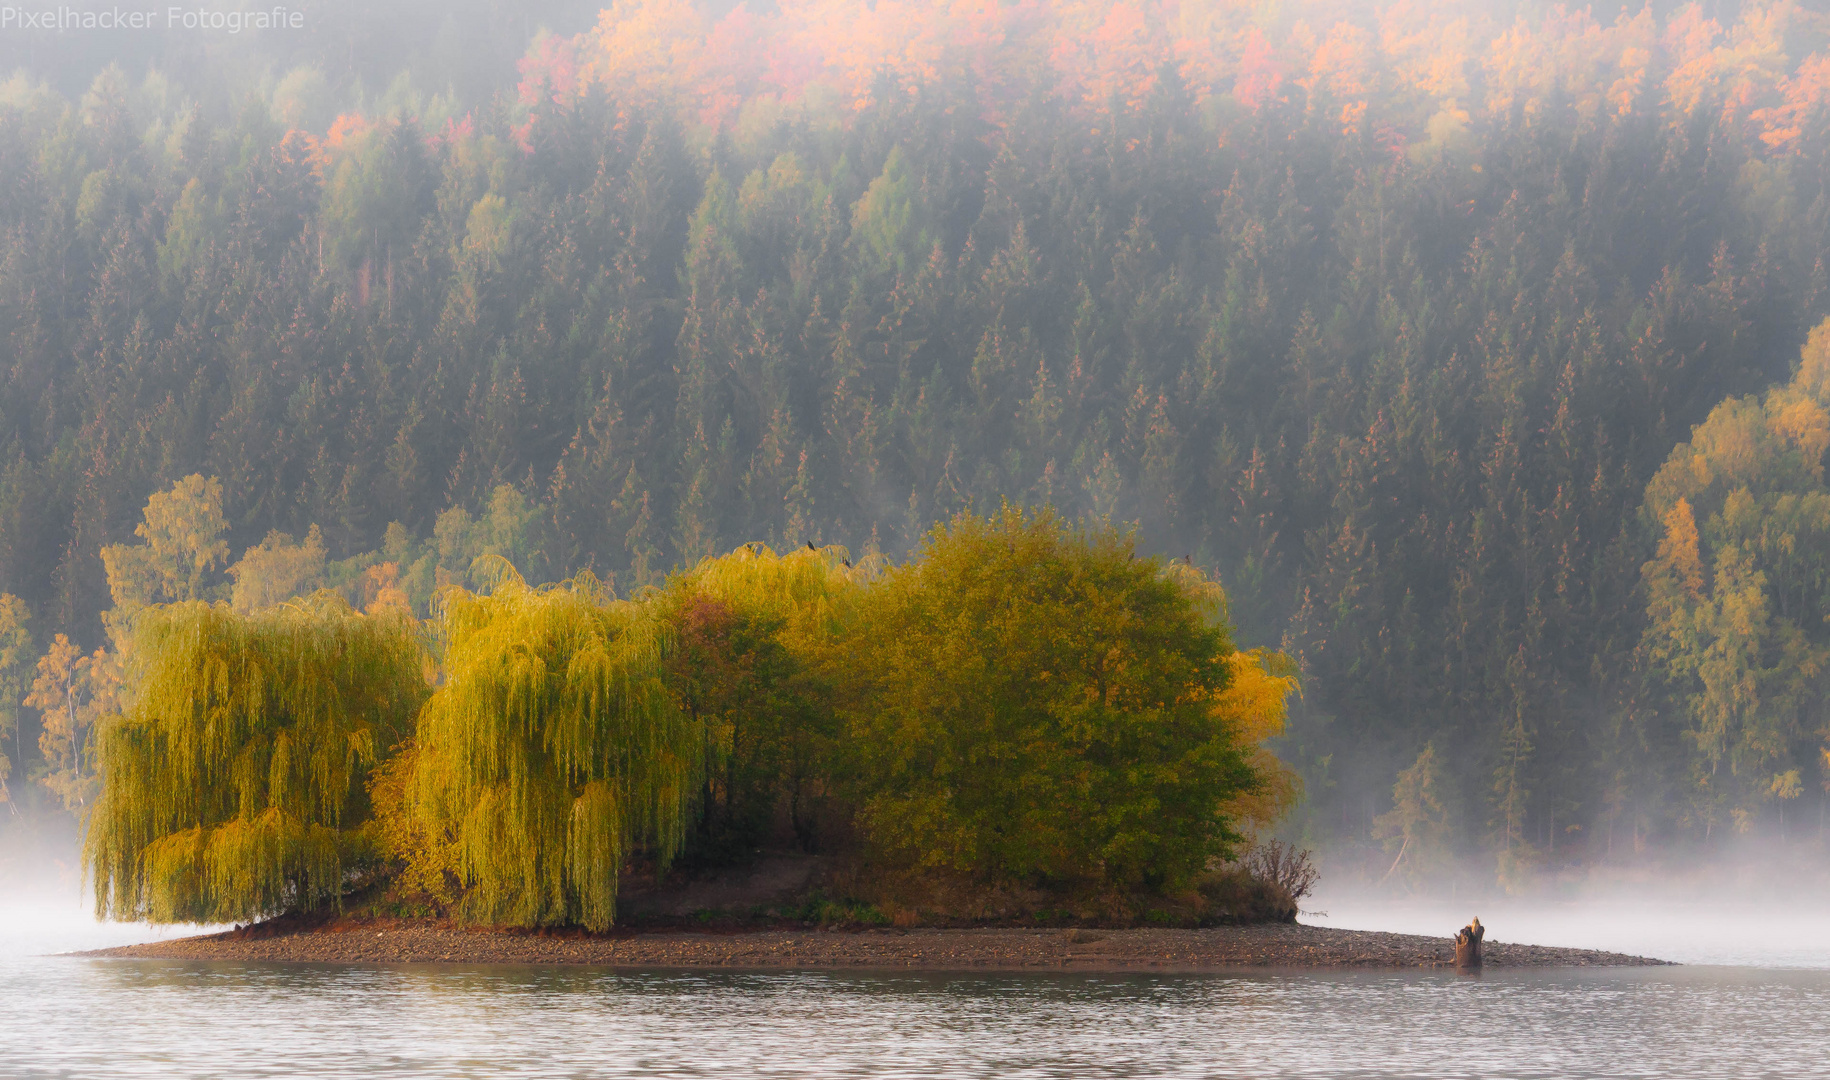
(812, 592)
(233, 784)
(553, 750)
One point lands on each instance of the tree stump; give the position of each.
(1468, 945)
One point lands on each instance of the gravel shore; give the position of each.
(1273, 945)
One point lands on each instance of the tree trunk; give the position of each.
(1468, 946)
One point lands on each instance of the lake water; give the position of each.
(66, 1017)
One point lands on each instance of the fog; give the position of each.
(44, 907)
(1759, 904)
(1753, 903)
(1753, 907)
(47, 921)
(1690, 932)
(52, 918)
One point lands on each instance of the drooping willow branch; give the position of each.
(553, 750)
(234, 782)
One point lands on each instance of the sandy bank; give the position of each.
(1276, 945)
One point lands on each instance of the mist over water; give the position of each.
(1753, 904)
(1687, 931)
(45, 918)
(1783, 934)
(45, 906)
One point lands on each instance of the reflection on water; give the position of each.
(67, 1017)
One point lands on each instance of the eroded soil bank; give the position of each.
(1270, 945)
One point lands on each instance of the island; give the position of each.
(366, 940)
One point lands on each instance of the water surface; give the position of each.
(69, 1017)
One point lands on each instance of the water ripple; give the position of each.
(107, 1018)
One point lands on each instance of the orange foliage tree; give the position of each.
(1425, 57)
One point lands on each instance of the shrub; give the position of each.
(1283, 865)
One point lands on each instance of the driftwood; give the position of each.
(1468, 945)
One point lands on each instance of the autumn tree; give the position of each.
(277, 570)
(1036, 703)
(552, 753)
(181, 533)
(1735, 591)
(15, 653)
(234, 786)
(64, 694)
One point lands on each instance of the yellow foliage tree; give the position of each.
(62, 692)
(15, 654)
(1254, 704)
(235, 783)
(552, 752)
(1736, 616)
(182, 533)
(1035, 703)
(277, 570)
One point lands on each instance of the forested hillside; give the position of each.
(1387, 317)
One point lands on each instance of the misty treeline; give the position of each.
(1396, 318)
(432, 55)
(1025, 705)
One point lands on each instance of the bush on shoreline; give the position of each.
(1025, 715)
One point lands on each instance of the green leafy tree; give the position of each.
(887, 220)
(510, 528)
(1036, 703)
(192, 226)
(375, 194)
(757, 639)
(1416, 828)
(730, 672)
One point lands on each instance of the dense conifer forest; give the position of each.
(1469, 346)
